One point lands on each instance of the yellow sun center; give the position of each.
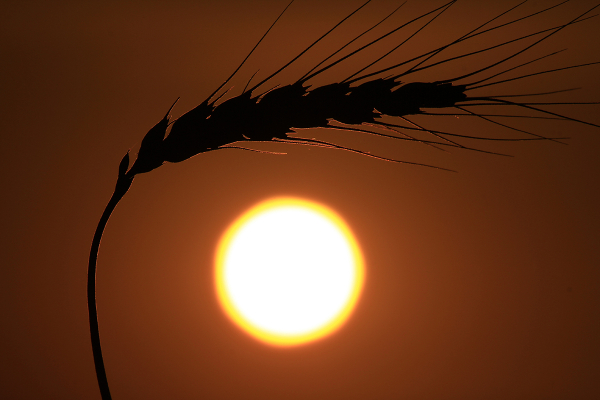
(288, 271)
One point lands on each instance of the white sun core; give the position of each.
(289, 271)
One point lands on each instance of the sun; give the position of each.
(288, 271)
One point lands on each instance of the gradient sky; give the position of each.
(480, 284)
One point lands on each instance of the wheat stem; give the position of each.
(123, 184)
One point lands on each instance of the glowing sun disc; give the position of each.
(288, 271)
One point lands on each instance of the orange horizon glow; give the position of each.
(280, 337)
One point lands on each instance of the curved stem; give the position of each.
(123, 184)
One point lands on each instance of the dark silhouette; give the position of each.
(272, 115)
(123, 184)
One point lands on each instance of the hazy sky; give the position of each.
(480, 284)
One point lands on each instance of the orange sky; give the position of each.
(481, 284)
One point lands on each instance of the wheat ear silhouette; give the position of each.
(355, 103)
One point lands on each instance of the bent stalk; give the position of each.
(123, 184)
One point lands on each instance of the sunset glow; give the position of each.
(288, 271)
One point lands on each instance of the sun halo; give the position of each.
(288, 271)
